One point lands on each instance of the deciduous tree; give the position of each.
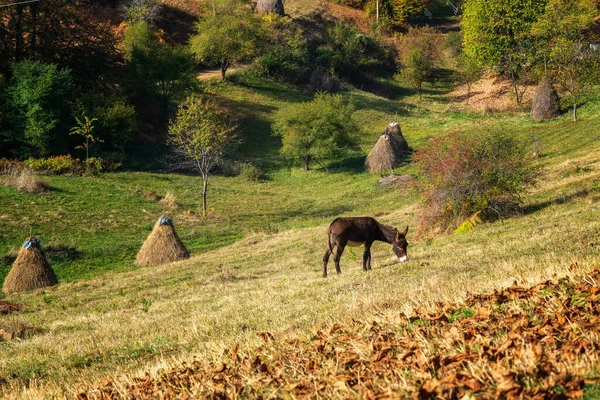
(201, 135)
(316, 130)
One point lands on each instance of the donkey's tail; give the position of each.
(329, 246)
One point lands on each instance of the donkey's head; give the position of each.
(400, 244)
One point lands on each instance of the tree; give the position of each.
(491, 29)
(315, 130)
(226, 39)
(201, 134)
(404, 9)
(157, 71)
(420, 52)
(85, 128)
(470, 72)
(38, 106)
(576, 68)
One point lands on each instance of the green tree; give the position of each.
(420, 52)
(157, 71)
(201, 135)
(492, 28)
(227, 38)
(85, 128)
(38, 106)
(469, 73)
(404, 9)
(320, 129)
(576, 68)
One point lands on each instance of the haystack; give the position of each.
(162, 246)
(388, 151)
(30, 270)
(270, 6)
(545, 104)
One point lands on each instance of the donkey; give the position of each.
(356, 231)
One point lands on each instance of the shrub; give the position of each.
(462, 174)
(251, 172)
(7, 165)
(94, 165)
(56, 165)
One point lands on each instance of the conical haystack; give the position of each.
(270, 6)
(162, 246)
(545, 104)
(388, 151)
(30, 270)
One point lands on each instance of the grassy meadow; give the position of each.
(256, 258)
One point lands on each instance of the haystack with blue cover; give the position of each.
(162, 246)
(30, 270)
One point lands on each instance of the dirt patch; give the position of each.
(492, 93)
(541, 342)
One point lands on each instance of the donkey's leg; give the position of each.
(325, 261)
(367, 257)
(338, 254)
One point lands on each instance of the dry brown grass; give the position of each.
(27, 180)
(169, 201)
(162, 246)
(492, 93)
(29, 271)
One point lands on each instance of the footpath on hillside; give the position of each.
(538, 343)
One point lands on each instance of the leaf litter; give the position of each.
(540, 342)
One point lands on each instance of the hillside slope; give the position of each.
(78, 333)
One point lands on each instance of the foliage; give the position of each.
(143, 10)
(420, 53)
(116, 124)
(575, 69)
(227, 38)
(470, 72)
(37, 102)
(320, 129)
(286, 57)
(347, 51)
(403, 9)
(454, 43)
(201, 133)
(462, 174)
(56, 165)
(492, 29)
(566, 19)
(85, 128)
(251, 172)
(60, 32)
(158, 72)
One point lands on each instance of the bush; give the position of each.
(462, 174)
(56, 165)
(7, 165)
(94, 165)
(251, 172)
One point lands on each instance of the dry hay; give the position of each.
(545, 104)
(388, 151)
(492, 93)
(30, 270)
(162, 245)
(169, 201)
(27, 180)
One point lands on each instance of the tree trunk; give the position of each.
(18, 32)
(574, 111)
(469, 92)
(306, 162)
(204, 190)
(224, 67)
(33, 10)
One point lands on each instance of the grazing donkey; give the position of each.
(356, 231)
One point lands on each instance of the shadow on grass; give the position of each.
(562, 199)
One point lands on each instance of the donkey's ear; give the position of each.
(396, 233)
(406, 230)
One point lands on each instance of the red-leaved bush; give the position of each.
(461, 174)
